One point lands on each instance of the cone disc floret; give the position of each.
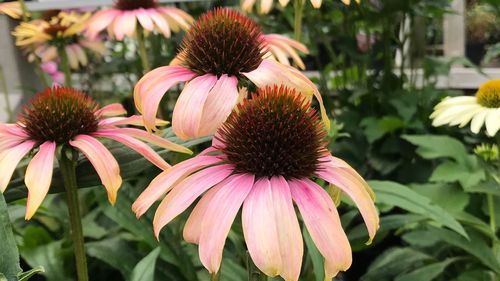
(59, 114)
(488, 94)
(222, 41)
(135, 4)
(276, 133)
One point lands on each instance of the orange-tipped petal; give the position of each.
(39, 176)
(114, 109)
(154, 139)
(103, 161)
(144, 19)
(9, 160)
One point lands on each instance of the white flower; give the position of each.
(479, 110)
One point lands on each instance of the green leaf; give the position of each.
(377, 128)
(393, 262)
(395, 194)
(131, 165)
(145, 269)
(49, 256)
(475, 246)
(116, 252)
(387, 223)
(30, 273)
(452, 171)
(316, 257)
(2, 277)
(9, 254)
(449, 196)
(432, 147)
(426, 273)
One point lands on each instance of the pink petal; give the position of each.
(260, 230)
(271, 73)
(13, 130)
(167, 179)
(184, 193)
(9, 160)
(246, 5)
(186, 118)
(316, 3)
(177, 18)
(100, 21)
(323, 223)
(103, 161)
(113, 109)
(265, 6)
(160, 22)
(219, 104)
(354, 186)
(280, 45)
(153, 139)
(39, 176)
(144, 19)
(151, 88)
(192, 228)
(136, 145)
(289, 234)
(134, 120)
(218, 218)
(124, 24)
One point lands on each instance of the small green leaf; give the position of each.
(316, 257)
(395, 194)
(426, 273)
(452, 172)
(145, 269)
(28, 274)
(432, 147)
(9, 254)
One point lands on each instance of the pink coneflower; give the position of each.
(222, 48)
(52, 69)
(65, 116)
(121, 20)
(264, 157)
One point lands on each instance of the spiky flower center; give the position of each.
(274, 133)
(222, 41)
(488, 94)
(127, 5)
(59, 114)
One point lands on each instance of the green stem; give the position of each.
(5, 90)
(215, 276)
(65, 65)
(142, 50)
(297, 23)
(68, 171)
(491, 210)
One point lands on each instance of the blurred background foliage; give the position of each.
(430, 184)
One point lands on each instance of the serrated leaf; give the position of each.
(9, 254)
(395, 194)
(145, 269)
(452, 171)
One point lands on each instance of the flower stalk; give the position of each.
(5, 90)
(298, 15)
(68, 171)
(143, 54)
(65, 65)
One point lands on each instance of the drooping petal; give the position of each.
(478, 121)
(323, 223)
(271, 72)
(354, 186)
(316, 3)
(286, 45)
(246, 5)
(160, 22)
(289, 234)
(265, 6)
(114, 109)
(260, 230)
(167, 179)
(136, 145)
(72, 58)
(218, 218)
(177, 18)
(219, 104)
(134, 120)
(185, 192)
(151, 88)
(9, 160)
(39, 176)
(103, 161)
(492, 121)
(154, 139)
(186, 118)
(192, 228)
(100, 21)
(125, 24)
(144, 19)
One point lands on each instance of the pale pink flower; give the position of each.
(65, 116)
(52, 69)
(222, 48)
(263, 158)
(121, 20)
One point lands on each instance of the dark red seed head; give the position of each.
(222, 41)
(135, 4)
(274, 133)
(59, 114)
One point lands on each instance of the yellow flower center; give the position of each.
(488, 94)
